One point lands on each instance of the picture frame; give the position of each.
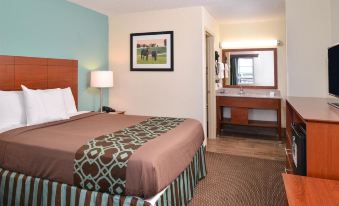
(152, 51)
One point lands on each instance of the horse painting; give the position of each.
(151, 51)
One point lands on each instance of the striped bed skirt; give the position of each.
(19, 189)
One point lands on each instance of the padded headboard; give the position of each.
(38, 73)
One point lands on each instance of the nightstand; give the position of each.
(117, 112)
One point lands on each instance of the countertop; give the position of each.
(249, 93)
(315, 109)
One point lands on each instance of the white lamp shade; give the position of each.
(102, 79)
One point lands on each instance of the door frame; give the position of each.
(210, 93)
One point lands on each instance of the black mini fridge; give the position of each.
(299, 148)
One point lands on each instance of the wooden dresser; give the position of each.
(322, 135)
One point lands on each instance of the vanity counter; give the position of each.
(250, 93)
(240, 104)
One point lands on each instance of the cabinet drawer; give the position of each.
(239, 116)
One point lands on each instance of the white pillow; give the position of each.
(12, 110)
(69, 101)
(44, 105)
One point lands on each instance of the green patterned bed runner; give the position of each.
(101, 164)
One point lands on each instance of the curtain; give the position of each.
(234, 70)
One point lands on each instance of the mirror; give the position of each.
(250, 68)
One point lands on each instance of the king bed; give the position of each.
(91, 158)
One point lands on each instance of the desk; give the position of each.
(309, 191)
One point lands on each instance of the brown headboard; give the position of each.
(38, 73)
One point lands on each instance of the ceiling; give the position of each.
(223, 10)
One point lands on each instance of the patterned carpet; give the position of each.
(240, 181)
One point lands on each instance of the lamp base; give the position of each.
(107, 109)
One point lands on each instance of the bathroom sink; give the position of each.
(248, 93)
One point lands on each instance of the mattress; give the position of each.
(62, 151)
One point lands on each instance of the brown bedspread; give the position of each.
(48, 150)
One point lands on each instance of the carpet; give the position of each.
(240, 181)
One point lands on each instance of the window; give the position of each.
(245, 71)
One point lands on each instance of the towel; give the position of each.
(221, 68)
(227, 71)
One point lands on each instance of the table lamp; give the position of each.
(101, 80)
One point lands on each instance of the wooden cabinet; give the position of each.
(239, 111)
(322, 135)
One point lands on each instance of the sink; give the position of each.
(241, 92)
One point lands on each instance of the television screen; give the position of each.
(333, 70)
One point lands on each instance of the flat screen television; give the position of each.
(333, 72)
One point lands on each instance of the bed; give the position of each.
(94, 158)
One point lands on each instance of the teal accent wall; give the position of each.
(57, 29)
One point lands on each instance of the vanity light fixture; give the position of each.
(250, 44)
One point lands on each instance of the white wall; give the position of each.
(179, 93)
(211, 26)
(308, 25)
(272, 29)
(335, 21)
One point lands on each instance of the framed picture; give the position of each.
(152, 51)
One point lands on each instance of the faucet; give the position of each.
(241, 90)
